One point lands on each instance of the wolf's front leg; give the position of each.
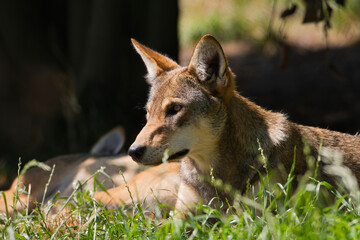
(187, 197)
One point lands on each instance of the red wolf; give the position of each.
(196, 116)
(70, 169)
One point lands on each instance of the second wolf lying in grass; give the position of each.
(70, 169)
(195, 114)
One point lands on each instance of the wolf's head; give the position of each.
(186, 109)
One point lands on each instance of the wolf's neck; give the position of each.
(250, 125)
(248, 128)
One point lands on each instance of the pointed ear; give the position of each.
(210, 66)
(155, 62)
(111, 143)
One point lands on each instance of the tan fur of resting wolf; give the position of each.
(195, 114)
(74, 168)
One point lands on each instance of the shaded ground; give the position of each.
(317, 87)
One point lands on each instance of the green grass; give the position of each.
(315, 210)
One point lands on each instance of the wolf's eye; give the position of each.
(173, 109)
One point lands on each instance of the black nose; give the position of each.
(137, 152)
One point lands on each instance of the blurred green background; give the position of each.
(234, 19)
